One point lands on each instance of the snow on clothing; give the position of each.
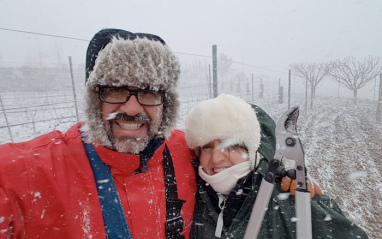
(47, 188)
(327, 218)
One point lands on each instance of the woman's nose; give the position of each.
(217, 155)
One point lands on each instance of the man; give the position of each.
(122, 174)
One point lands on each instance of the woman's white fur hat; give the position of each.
(225, 118)
(120, 58)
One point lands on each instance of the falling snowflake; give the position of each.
(283, 196)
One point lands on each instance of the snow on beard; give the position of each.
(127, 144)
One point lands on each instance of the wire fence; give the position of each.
(38, 99)
(40, 115)
(26, 115)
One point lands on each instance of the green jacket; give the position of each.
(328, 220)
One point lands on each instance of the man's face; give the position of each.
(130, 126)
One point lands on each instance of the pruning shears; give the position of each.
(290, 147)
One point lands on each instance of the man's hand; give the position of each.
(288, 184)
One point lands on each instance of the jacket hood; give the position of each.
(267, 146)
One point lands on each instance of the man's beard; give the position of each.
(128, 144)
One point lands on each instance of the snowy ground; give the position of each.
(343, 147)
(342, 143)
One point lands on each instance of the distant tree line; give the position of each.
(349, 72)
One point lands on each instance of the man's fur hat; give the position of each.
(121, 58)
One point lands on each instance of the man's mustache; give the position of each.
(141, 117)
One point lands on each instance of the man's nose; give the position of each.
(132, 106)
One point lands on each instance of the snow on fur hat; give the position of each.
(226, 118)
(121, 58)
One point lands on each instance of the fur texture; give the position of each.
(226, 118)
(141, 63)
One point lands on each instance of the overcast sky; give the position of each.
(270, 34)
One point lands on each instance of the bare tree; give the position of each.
(354, 74)
(313, 74)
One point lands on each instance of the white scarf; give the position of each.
(224, 181)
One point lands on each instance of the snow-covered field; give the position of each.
(343, 147)
(342, 142)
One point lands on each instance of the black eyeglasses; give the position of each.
(120, 95)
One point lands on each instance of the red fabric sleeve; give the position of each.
(5, 215)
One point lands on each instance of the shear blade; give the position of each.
(288, 121)
(288, 143)
(291, 120)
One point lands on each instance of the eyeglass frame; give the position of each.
(131, 93)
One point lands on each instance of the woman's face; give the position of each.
(215, 159)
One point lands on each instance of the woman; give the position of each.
(234, 142)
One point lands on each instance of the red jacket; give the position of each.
(47, 188)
